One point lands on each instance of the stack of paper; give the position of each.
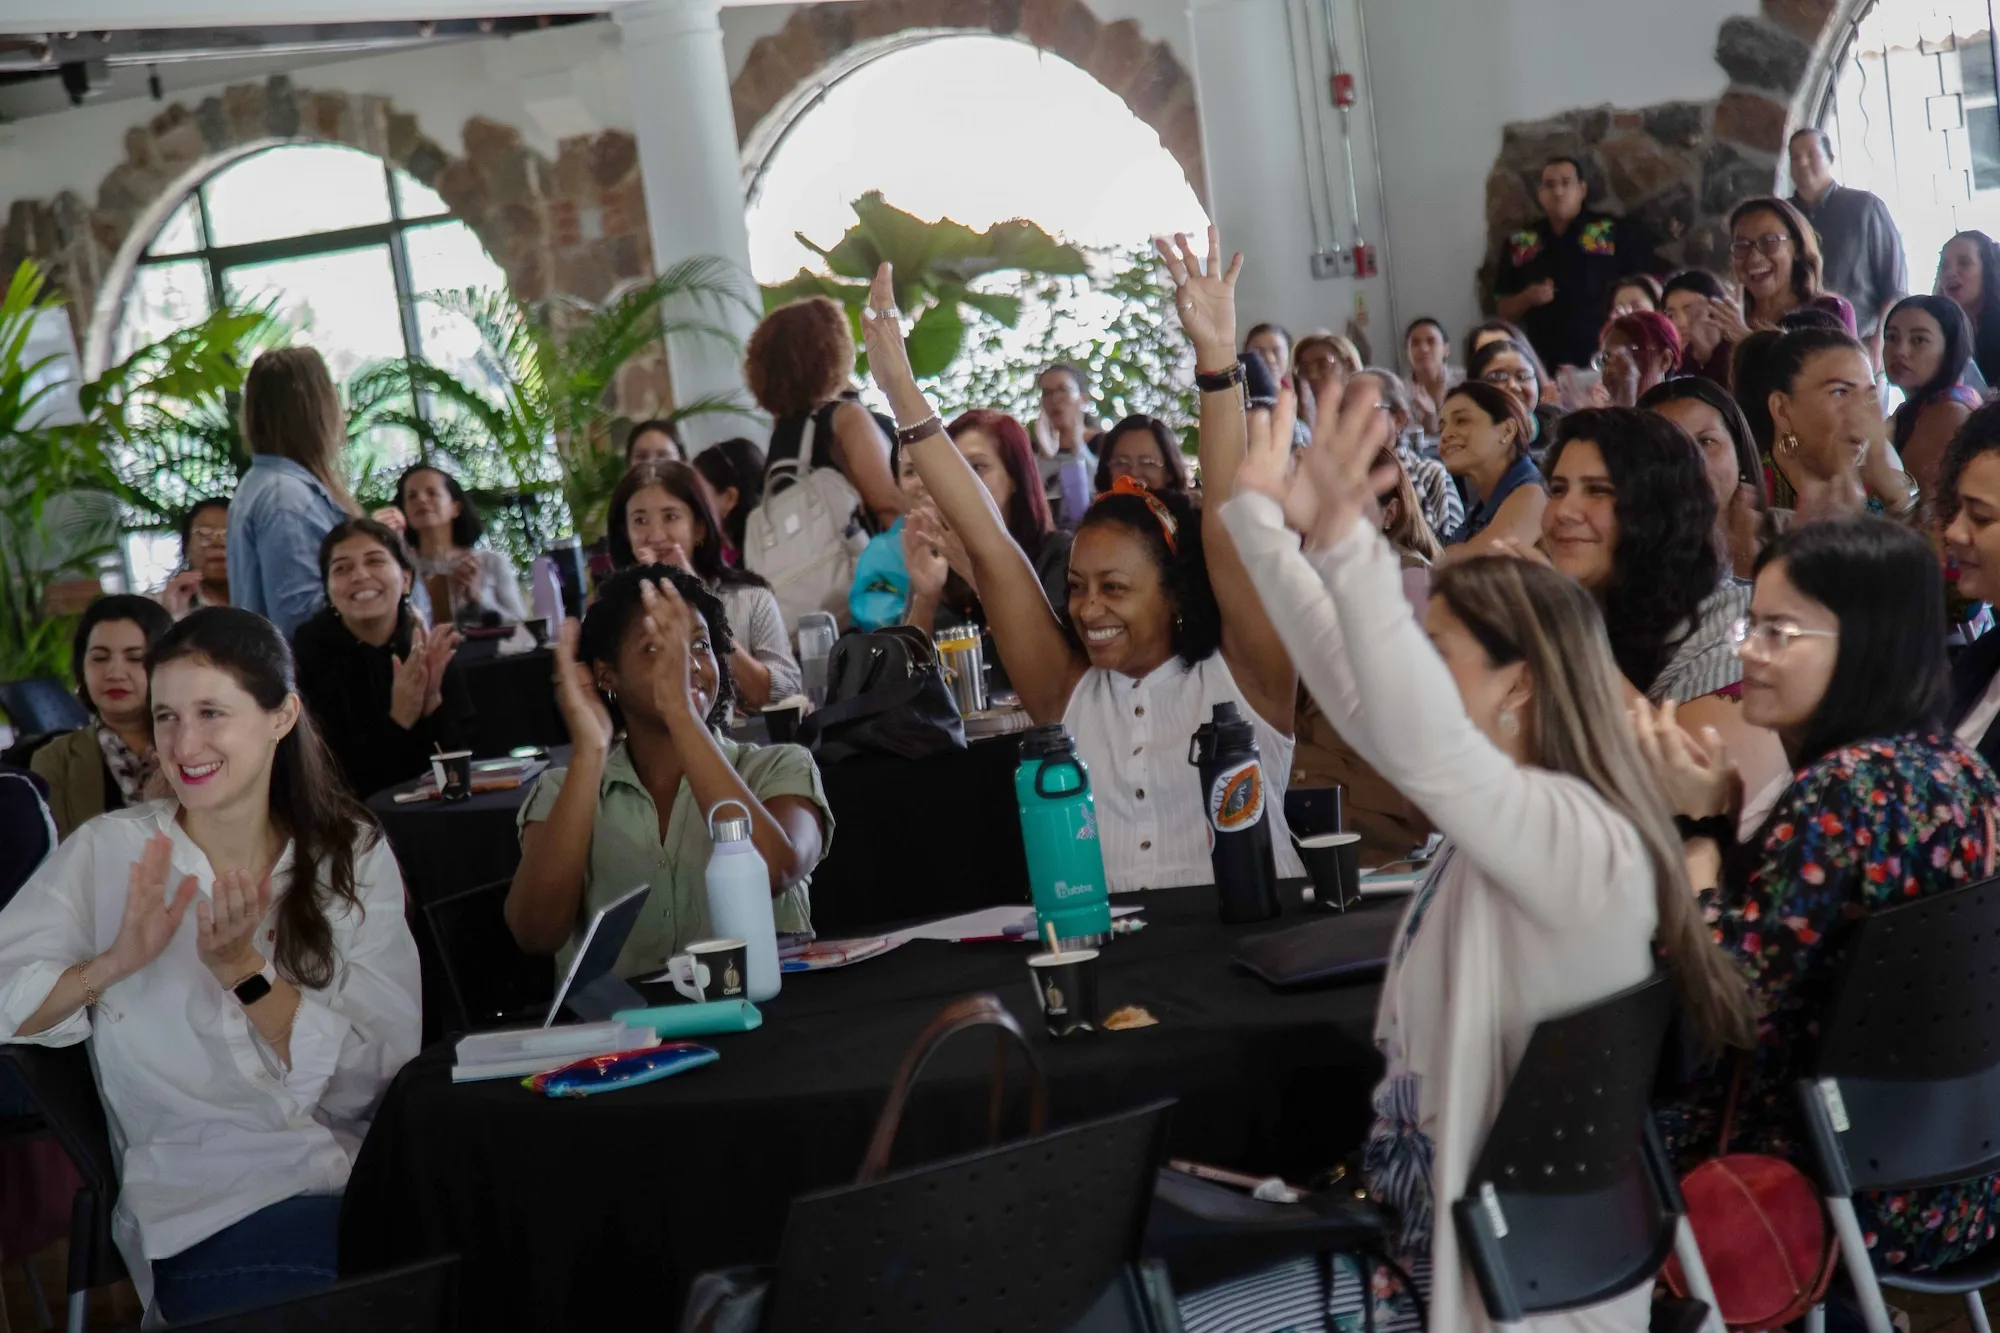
(517, 1052)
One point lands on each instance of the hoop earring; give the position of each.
(1510, 726)
(612, 695)
(1789, 445)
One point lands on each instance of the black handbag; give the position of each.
(885, 695)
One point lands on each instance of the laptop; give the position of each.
(590, 989)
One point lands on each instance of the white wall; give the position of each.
(1445, 75)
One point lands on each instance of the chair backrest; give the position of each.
(492, 982)
(417, 1299)
(1022, 1239)
(60, 1083)
(41, 704)
(1572, 1200)
(1905, 1089)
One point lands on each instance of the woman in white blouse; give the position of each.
(240, 1046)
(1162, 623)
(1501, 719)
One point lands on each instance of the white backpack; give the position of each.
(803, 538)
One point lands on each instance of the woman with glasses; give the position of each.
(1637, 352)
(1483, 441)
(1926, 344)
(1844, 658)
(204, 575)
(1774, 253)
(1969, 273)
(1144, 449)
(1513, 368)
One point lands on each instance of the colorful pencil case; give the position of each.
(622, 1069)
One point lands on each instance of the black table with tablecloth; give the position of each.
(596, 1212)
(513, 698)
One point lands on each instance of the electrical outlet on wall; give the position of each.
(1329, 264)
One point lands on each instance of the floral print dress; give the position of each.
(1871, 825)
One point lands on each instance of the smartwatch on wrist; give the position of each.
(1720, 829)
(255, 986)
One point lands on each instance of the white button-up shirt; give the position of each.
(208, 1125)
(1152, 814)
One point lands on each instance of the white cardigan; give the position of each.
(1544, 896)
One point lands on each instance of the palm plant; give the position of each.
(58, 497)
(532, 422)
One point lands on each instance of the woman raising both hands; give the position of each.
(1500, 718)
(1161, 624)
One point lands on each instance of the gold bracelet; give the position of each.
(91, 995)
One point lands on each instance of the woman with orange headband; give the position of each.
(1158, 630)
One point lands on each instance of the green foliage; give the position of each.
(533, 439)
(1122, 332)
(936, 265)
(58, 496)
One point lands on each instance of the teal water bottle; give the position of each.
(1059, 829)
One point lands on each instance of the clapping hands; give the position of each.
(416, 679)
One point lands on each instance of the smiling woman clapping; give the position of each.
(382, 687)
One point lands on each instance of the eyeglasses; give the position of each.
(1620, 352)
(1125, 466)
(1502, 378)
(208, 536)
(1770, 638)
(1771, 243)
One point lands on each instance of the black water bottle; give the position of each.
(1224, 750)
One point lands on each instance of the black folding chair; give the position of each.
(492, 982)
(1572, 1200)
(1905, 1087)
(41, 704)
(1038, 1236)
(421, 1298)
(59, 1082)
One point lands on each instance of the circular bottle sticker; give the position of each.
(1236, 798)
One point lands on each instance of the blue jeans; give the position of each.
(278, 1252)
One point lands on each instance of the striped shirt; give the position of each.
(1437, 493)
(758, 627)
(1151, 812)
(1705, 662)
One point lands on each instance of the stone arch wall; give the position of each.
(1147, 76)
(572, 227)
(1680, 167)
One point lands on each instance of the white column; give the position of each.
(686, 130)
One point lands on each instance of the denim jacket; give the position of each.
(280, 514)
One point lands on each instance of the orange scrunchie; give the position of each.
(1169, 527)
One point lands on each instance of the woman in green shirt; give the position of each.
(651, 660)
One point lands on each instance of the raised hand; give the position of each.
(583, 712)
(390, 517)
(1696, 775)
(151, 919)
(226, 925)
(1342, 463)
(409, 680)
(180, 593)
(465, 579)
(438, 650)
(1729, 319)
(1267, 467)
(923, 554)
(1205, 296)
(888, 359)
(671, 627)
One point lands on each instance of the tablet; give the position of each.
(603, 941)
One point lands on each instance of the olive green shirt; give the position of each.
(626, 851)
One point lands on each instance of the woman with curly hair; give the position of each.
(797, 366)
(644, 686)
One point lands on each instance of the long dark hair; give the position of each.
(1197, 631)
(1164, 439)
(309, 803)
(1666, 562)
(734, 465)
(678, 480)
(1707, 392)
(618, 608)
(1028, 519)
(389, 540)
(291, 409)
(151, 618)
(1957, 332)
(1986, 333)
(467, 527)
(1883, 584)
(1750, 381)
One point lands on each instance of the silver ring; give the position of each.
(873, 313)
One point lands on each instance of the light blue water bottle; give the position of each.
(1059, 829)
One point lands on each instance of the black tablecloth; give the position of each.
(513, 698)
(582, 1213)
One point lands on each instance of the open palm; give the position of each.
(1341, 463)
(1205, 294)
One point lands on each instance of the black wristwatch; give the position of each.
(1219, 381)
(253, 987)
(1721, 829)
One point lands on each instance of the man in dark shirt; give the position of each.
(1555, 278)
(1863, 250)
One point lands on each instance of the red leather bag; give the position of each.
(1761, 1230)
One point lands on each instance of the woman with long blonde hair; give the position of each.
(293, 493)
(1561, 878)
